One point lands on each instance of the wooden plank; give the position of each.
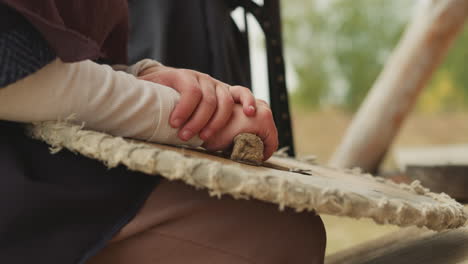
(439, 168)
(423, 46)
(409, 246)
(451, 179)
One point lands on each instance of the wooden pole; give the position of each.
(408, 246)
(420, 51)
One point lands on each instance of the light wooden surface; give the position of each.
(357, 195)
(409, 246)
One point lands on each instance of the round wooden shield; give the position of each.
(284, 181)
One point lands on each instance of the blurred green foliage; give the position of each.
(448, 90)
(338, 48)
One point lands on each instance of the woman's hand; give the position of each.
(205, 105)
(261, 124)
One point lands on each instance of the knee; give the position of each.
(311, 238)
(282, 237)
(254, 230)
(301, 239)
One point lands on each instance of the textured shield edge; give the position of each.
(265, 185)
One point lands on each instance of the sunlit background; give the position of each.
(335, 49)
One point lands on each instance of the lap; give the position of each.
(181, 224)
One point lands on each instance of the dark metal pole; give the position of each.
(269, 18)
(271, 24)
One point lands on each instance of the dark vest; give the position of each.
(58, 208)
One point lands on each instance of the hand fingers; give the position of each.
(236, 124)
(190, 96)
(222, 114)
(203, 112)
(269, 134)
(271, 143)
(245, 97)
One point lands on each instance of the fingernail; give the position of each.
(252, 108)
(186, 135)
(205, 135)
(177, 123)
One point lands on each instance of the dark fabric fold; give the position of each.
(23, 51)
(196, 34)
(60, 208)
(77, 29)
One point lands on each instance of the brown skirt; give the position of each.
(179, 224)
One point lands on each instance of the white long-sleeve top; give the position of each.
(102, 98)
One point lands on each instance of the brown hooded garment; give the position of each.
(78, 29)
(60, 208)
